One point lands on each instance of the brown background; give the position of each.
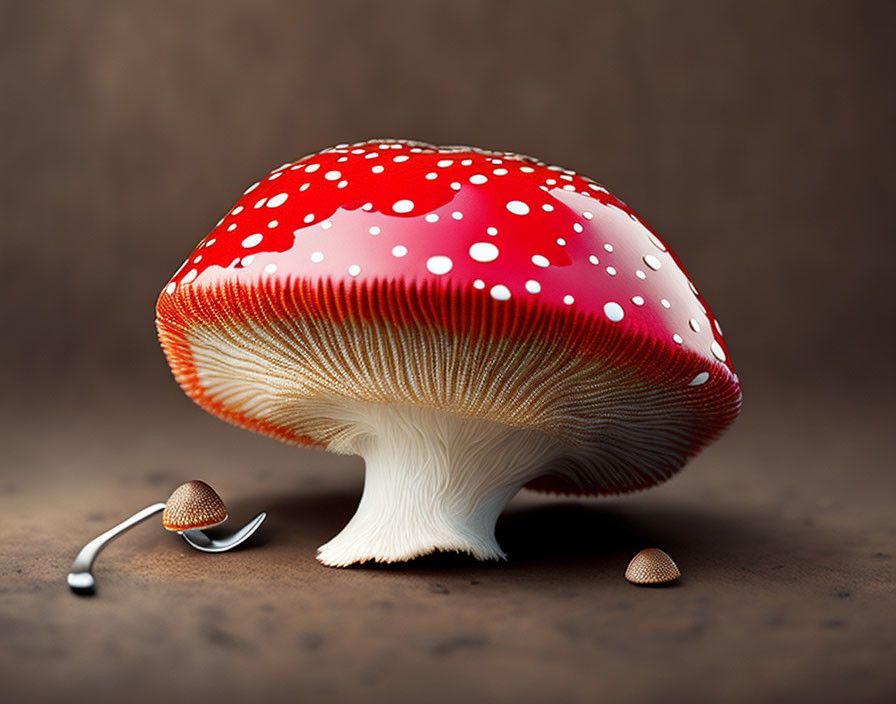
(757, 138)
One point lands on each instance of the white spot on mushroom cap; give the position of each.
(500, 292)
(277, 200)
(594, 260)
(399, 250)
(548, 208)
(231, 227)
(439, 264)
(270, 269)
(532, 286)
(311, 168)
(443, 163)
(247, 260)
(431, 176)
(378, 169)
(403, 206)
(665, 303)
(637, 300)
(457, 215)
(483, 252)
(652, 262)
(251, 188)
(309, 218)
(701, 378)
(678, 338)
(568, 299)
(479, 283)
(614, 311)
(432, 217)
(374, 230)
(260, 202)
(478, 179)
(540, 260)
(326, 225)
(491, 231)
(333, 175)
(695, 326)
(499, 172)
(192, 274)
(517, 207)
(354, 270)
(717, 350)
(170, 288)
(252, 240)
(317, 257)
(237, 210)
(611, 270)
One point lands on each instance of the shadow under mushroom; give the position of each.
(568, 536)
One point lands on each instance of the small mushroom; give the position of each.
(193, 506)
(652, 566)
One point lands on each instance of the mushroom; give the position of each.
(192, 507)
(195, 506)
(652, 566)
(469, 322)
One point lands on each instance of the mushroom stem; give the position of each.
(434, 481)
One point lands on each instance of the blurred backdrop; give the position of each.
(755, 137)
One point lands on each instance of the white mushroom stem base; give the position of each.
(433, 481)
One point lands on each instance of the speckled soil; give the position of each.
(784, 533)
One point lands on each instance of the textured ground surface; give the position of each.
(784, 532)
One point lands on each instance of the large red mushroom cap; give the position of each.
(484, 286)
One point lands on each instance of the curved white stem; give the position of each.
(433, 481)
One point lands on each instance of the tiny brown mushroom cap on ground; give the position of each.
(652, 566)
(193, 506)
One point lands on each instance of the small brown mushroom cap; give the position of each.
(193, 506)
(652, 566)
